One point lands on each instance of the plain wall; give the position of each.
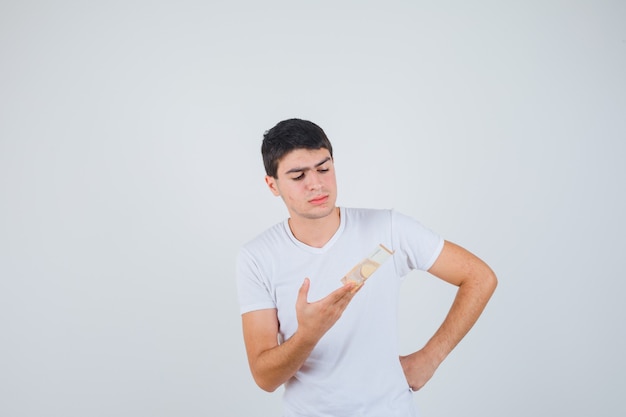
(130, 174)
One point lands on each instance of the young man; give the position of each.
(334, 346)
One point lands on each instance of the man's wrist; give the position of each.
(434, 353)
(303, 340)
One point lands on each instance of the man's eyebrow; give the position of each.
(298, 169)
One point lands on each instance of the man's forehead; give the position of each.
(300, 159)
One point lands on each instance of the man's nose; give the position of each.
(314, 180)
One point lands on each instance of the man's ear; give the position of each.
(271, 183)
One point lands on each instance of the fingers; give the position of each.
(303, 292)
(346, 291)
(416, 370)
(341, 295)
(339, 299)
(357, 287)
(315, 318)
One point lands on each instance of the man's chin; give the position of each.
(319, 212)
(326, 211)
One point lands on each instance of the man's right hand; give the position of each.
(315, 319)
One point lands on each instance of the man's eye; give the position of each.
(323, 170)
(299, 177)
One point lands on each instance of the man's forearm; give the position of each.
(275, 366)
(469, 302)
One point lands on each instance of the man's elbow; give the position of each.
(482, 282)
(266, 386)
(263, 382)
(489, 281)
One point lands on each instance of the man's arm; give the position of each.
(476, 282)
(272, 364)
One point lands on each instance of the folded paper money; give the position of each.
(364, 269)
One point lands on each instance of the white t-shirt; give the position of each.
(354, 370)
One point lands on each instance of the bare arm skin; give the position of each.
(272, 364)
(476, 282)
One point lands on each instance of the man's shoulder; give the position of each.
(367, 214)
(364, 211)
(389, 217)
(272, 236)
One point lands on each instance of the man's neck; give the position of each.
(315, 232)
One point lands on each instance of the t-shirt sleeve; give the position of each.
(252, 289)
(415, 245)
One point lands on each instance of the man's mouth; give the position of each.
(319, 200)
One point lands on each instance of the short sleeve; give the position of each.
(252, 288)
(415, 245)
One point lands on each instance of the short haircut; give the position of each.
(290, 135)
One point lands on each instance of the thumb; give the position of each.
(303, 292)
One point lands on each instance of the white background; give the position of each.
(130, 174)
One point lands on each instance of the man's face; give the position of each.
(306, 182)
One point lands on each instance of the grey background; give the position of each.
(130, 173)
